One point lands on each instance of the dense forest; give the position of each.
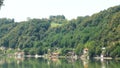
(37, 36)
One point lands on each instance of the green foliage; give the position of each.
(79, 49)
(36, 36)
(1, 2)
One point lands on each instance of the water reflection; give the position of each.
(56, 63)
(85, 63)
(103, 63)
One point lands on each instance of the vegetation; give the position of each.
(1, 2)
(39, 35)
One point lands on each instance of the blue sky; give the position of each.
(21, 9)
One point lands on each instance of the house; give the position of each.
(2, 48)
(54, 55)
(103, 52)
(19, 55)
(85, 54)
(85, 51)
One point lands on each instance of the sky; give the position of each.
(20, 10)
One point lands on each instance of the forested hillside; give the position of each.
(38, 35)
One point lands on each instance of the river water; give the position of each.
(57, 63)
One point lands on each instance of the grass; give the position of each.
(53, 24)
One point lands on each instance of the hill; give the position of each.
(38, 35)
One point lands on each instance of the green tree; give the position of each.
(1, 3)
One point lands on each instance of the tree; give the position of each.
(1, 3)
(92, 32)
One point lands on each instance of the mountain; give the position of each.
(38, 35)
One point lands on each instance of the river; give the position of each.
(56, 63)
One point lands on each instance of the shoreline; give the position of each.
(108, 58)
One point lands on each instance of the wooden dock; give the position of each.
(103, 58)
